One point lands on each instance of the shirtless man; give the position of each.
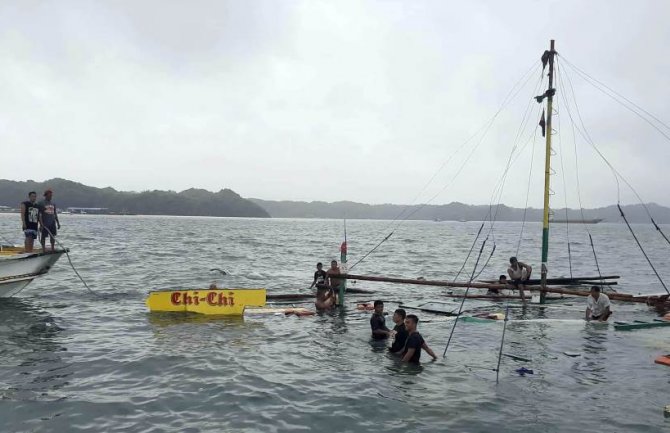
(324, 294)
(517, 275)
(333, 281)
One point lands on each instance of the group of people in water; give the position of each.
(406, 342)
(327, 285)
(39, 219)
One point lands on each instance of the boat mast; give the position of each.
(549, 56)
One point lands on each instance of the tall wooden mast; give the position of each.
(549, 56)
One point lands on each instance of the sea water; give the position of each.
(72, 360)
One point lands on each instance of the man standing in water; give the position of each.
(519, 273)
(29, 219)
(415, 341)
(48, 220)
(378, 322)
(324, 294)
(399, 332)
(333, 281)
(597, 306)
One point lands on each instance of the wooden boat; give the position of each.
(640, 324)
(224, 302)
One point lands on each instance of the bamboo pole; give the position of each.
(613, 296)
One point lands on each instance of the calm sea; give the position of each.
(72, 361)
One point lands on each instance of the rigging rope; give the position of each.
(565, 190)
(589, 79)
(484, 129)
(642, 249)
(460, 309)
(616, 173)
(67, 254)
(470, 252)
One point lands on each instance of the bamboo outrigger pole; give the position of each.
(613, 296)
(549, 56)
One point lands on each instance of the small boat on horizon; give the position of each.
(577, 221)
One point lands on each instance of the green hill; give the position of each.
(225, 203)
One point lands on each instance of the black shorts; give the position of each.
(52, 229)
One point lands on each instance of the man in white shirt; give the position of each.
(597, 306)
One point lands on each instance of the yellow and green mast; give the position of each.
(547, 58)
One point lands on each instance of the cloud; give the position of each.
(323, 100)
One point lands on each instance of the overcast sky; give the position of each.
(328, 100)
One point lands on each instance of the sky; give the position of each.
(369, 101)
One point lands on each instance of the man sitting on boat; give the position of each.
(519, 273)
(378, 322)
(415, 341)
(597, 306)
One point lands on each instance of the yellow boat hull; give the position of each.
(225, 302)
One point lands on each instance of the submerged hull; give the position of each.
(18, 269)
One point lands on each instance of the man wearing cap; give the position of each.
(48, 220)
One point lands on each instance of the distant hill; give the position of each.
(450, 212)
(189, 202)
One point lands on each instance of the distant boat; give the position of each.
(579, 221)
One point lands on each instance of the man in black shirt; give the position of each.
(378, 322)
(399, 331)
(29, 218)
(415, 341)
(324, 294)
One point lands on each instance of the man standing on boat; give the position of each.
(48, 218)
(29, 219)
(597, 306)
(519, 273)
(415, 341)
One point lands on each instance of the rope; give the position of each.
(372, 250)
(460, 309)
(589, 79)
(67, 254)
(487, 262)
(502, 342)
(483, 130)
(470, 252)
(595, 257)
(642, 249)
(618, 175)
(565, 190)
(588, 139)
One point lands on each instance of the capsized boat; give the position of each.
(18, 268)
(223, 302)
